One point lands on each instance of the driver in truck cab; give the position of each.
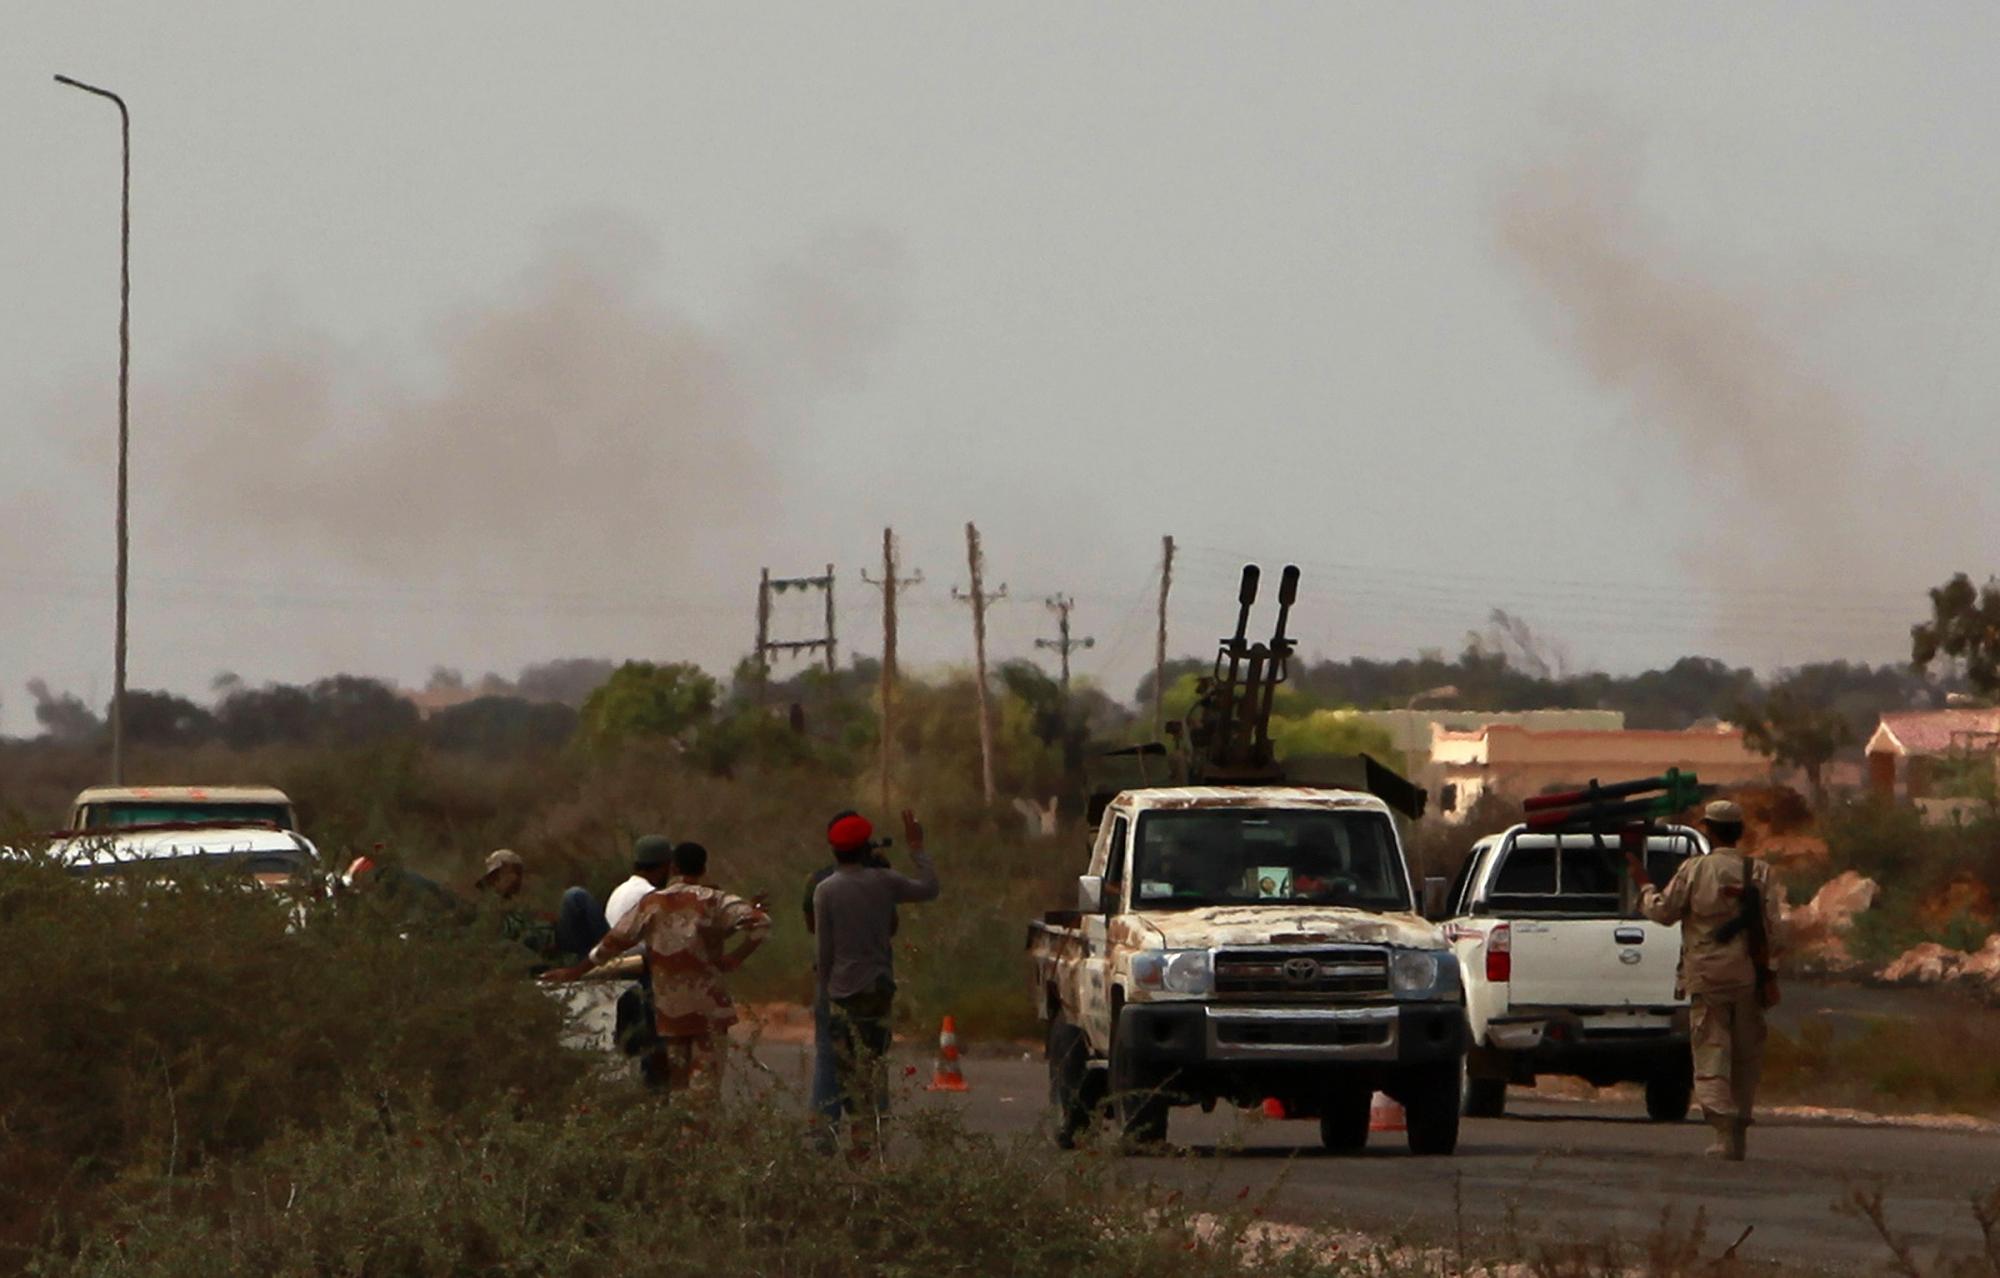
(1724, 903)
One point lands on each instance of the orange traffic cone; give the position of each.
(947, 1077)
(1385, 1115)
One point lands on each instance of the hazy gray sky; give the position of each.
(479, 333)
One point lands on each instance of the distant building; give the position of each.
(1911, 749)
(1516, 762)
(1410, 730)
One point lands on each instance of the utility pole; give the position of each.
(767, 585)
(124, 421)
(1160, 645)
(1060, 605)
(978, 598)
(888, 585)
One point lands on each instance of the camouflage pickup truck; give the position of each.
(1232, 944)
(1241, 937)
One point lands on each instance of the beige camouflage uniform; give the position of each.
(1721, 981)
(683, 928)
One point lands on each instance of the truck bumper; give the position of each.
(1217, 1050)
(1603, 1048)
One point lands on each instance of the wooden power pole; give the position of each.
(889, 584)
(1160, 644)
(978, 598)
(1063, 645)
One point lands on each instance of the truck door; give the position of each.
(1468, 935)
(1093, 978)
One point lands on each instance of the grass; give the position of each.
(1891, 1064)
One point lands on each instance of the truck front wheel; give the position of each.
(1140, 1105)
(1431, 1101)
(1670, 1090)
(1069, 1081)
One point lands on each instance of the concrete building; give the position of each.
(1516, 762)
(1410, 730)
(1911, 748)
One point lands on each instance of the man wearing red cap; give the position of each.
(854, 918)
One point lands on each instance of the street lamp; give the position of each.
(124, 431)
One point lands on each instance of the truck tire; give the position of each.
(1670, 1091)
(1069, 1081)
(1343, 1120)
(1431, 1100)
(1137, 1102)
(1485, 1097)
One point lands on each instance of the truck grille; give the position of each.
(1352, 970)
(1301, 1033)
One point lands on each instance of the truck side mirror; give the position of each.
(1435, 904)
(1090, 893)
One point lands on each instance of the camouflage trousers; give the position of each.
(686, 1063)
(1728, 1038)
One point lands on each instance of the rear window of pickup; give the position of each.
(1573, 874)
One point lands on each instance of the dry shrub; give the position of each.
(152, 1028)
(622, 1183)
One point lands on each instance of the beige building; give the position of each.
(1516, 762)
(1912, 749)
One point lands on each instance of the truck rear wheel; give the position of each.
(1343, 1120)
(1670, 1091)
(1069, 1082)
(1431, 1102)
(1485, 1097)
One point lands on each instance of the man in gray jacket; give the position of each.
(854, 913)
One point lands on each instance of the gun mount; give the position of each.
(1226, 739)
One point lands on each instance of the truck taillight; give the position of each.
(1500, 953)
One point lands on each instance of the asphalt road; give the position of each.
(1562, 1170)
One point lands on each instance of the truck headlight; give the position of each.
(1420, 972)
(1174, 971)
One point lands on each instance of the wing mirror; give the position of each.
(1435, 904)
(1090, 893)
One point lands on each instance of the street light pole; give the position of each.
(124, 426)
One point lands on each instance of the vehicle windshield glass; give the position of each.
(268, 868)
(1256, 856)
(1575, 874)
(119, 816)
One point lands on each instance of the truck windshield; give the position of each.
(1249, 856)
(119, 816)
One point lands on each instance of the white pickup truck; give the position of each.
(1563, 975)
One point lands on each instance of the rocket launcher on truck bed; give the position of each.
(1609, 809)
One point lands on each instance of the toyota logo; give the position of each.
(1301, 970)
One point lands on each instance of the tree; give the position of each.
(1964, 625)
(1793, 729)
(642, 699)
(501, 727)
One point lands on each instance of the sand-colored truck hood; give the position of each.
(1215, 927)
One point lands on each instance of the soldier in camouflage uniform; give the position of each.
(1717, 900)
(684, 928)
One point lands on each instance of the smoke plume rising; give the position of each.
(1782, 488)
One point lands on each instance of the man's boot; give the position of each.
(1728, 1143)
